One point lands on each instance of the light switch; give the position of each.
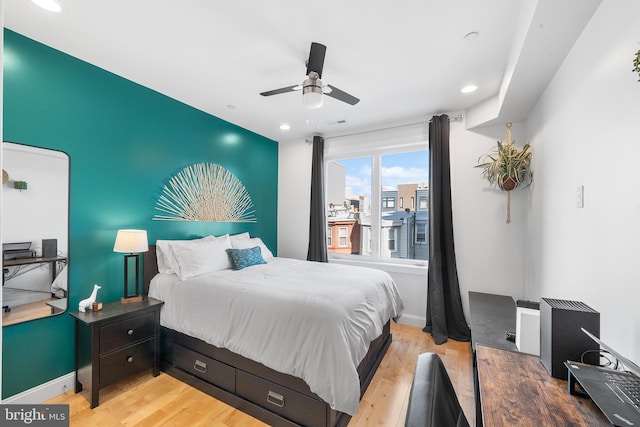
(580, 197)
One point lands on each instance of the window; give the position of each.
(422, 203)
(329, 237)
(393, 235)
(388, 202)
(421, 233)
(343, 234)
(381, 228)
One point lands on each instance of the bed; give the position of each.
(59, 284)
(264, 337)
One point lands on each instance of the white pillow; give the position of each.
(250, 243)
(162, 252)
(166, 263)
(197, 257)
(240, 236)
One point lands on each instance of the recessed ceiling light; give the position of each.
(55, 6)
(469, 89)
(285, 126)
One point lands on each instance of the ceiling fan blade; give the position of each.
(282, 90)
(316, 58)
(341, 95)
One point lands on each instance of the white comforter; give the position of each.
(311, 320)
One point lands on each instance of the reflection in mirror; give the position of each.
(35, 226)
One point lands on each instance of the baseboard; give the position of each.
(45, 391)
(412, 320)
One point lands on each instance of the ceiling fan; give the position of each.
(312, 88)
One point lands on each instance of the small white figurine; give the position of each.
(86, 303)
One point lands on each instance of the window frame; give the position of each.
(423, 242)
(420, 200)
(345, 237)
(374, 146)
(393, 232)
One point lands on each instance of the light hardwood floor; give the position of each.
(164, 401)
(28, 311)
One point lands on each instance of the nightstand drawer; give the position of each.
(281, 400)
(210, 370)
(126, 332)
(127, 361)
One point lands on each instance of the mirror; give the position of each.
(35, 226)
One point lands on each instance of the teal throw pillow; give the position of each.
(242, 258)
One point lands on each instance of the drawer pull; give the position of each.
(275, 399)
(130, 332)
(130, 359)
(200, 366)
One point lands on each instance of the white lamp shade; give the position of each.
(131, 241)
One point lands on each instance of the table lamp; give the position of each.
(131, 242)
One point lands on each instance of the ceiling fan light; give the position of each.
(312, 93)
(312, 100)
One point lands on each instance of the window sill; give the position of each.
(416, 267)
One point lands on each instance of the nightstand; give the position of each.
(115, 342)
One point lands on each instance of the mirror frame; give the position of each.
(68, 223)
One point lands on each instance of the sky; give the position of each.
(404, 168)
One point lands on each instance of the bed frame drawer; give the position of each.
(126, 332)
(210, 370)
(281, 400)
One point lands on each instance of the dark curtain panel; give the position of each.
(317, 221)
(445, 318)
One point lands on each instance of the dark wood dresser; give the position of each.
(115, 342)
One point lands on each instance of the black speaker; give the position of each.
(561, 338)
(49, 248)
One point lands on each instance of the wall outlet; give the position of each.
(580, 197)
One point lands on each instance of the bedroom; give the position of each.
(549, 249)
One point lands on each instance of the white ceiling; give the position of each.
(405, 60)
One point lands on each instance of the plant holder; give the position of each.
(507, 167)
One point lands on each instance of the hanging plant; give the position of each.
(507, 167)
(636, 64)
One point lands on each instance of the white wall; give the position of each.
(585, 130)
(489, 251)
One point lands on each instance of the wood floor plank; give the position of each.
(163, 401)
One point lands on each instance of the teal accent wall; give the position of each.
(125, 142)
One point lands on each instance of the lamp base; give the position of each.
(127, 300)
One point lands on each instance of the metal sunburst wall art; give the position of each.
(205, 192)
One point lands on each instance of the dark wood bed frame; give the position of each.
(273, 397)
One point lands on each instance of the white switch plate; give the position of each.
(580, 197)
